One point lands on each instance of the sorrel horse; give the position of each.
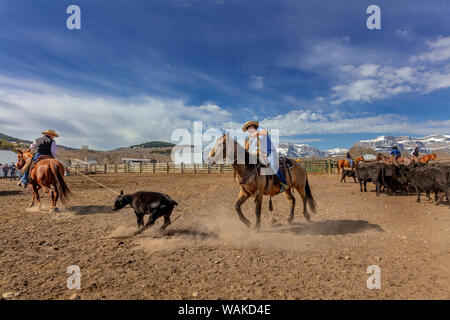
(251, 183)
(428, 157)
(48, 175)
(346, 164)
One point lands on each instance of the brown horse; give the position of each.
(251, 183)
(47, 173)
(428, 157)
(346, 164)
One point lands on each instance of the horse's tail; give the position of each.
(61, 186)
(309, 196)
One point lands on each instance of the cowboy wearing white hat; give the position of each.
(43, 146)
(263, 148)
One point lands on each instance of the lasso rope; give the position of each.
(87, 177)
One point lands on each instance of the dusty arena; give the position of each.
(207, 253)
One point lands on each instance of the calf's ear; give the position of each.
(121, 192)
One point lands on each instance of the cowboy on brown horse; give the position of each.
(253, 184)
(349, 163)
(259, 145)
(42, 170)
(43, 146)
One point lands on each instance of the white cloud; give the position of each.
(299, 122)
(439, 50)
(28, 108)
(369, 82)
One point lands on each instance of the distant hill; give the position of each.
(9, 138)
(154, 144)
(22, 143)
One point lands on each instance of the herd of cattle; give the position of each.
(393, 178)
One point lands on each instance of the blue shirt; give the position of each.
(396, 152)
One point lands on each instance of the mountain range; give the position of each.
(407, 144)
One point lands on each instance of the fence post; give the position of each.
(153, 168)
(182, 167)
(167, 167)
(115, 167)
(140, 167)
(195, 168)
(106, 168)
(220, 168)
(209, 168)
(329, 166)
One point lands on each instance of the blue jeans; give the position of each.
(272, 157)
(26, 175)
(351, 162)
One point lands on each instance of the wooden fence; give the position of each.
(313, 166)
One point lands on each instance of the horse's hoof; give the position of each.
(289, 220)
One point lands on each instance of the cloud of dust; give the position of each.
(219, 228)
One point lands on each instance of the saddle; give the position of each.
(284, 163)
(33, 163)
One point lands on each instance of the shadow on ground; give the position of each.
(190, 233)
(10, 193)
(329, 227)
(90, 209)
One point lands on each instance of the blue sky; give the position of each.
(137, 70)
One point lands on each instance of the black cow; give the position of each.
(348, 173)
(366, 172)
(429, 178)
(392, 178)
(154, 203)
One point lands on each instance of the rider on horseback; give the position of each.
(255, 145)
(415, 154)
(395, 153)
(349, 159)
(43, 146)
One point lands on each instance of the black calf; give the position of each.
(348, 173)
(154, 203)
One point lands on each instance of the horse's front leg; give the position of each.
(258, 205)
(243, 196)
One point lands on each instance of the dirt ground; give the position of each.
(207, 253)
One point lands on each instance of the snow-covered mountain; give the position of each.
(292, 150)
(336, 151)
(407, 144)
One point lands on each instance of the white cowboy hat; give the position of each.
(50, 133)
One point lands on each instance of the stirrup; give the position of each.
(283, 188)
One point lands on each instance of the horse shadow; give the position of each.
(10, 193)
(189, 232)
(90, 209)
(328, 227)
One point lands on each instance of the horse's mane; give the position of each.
(238, 145)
